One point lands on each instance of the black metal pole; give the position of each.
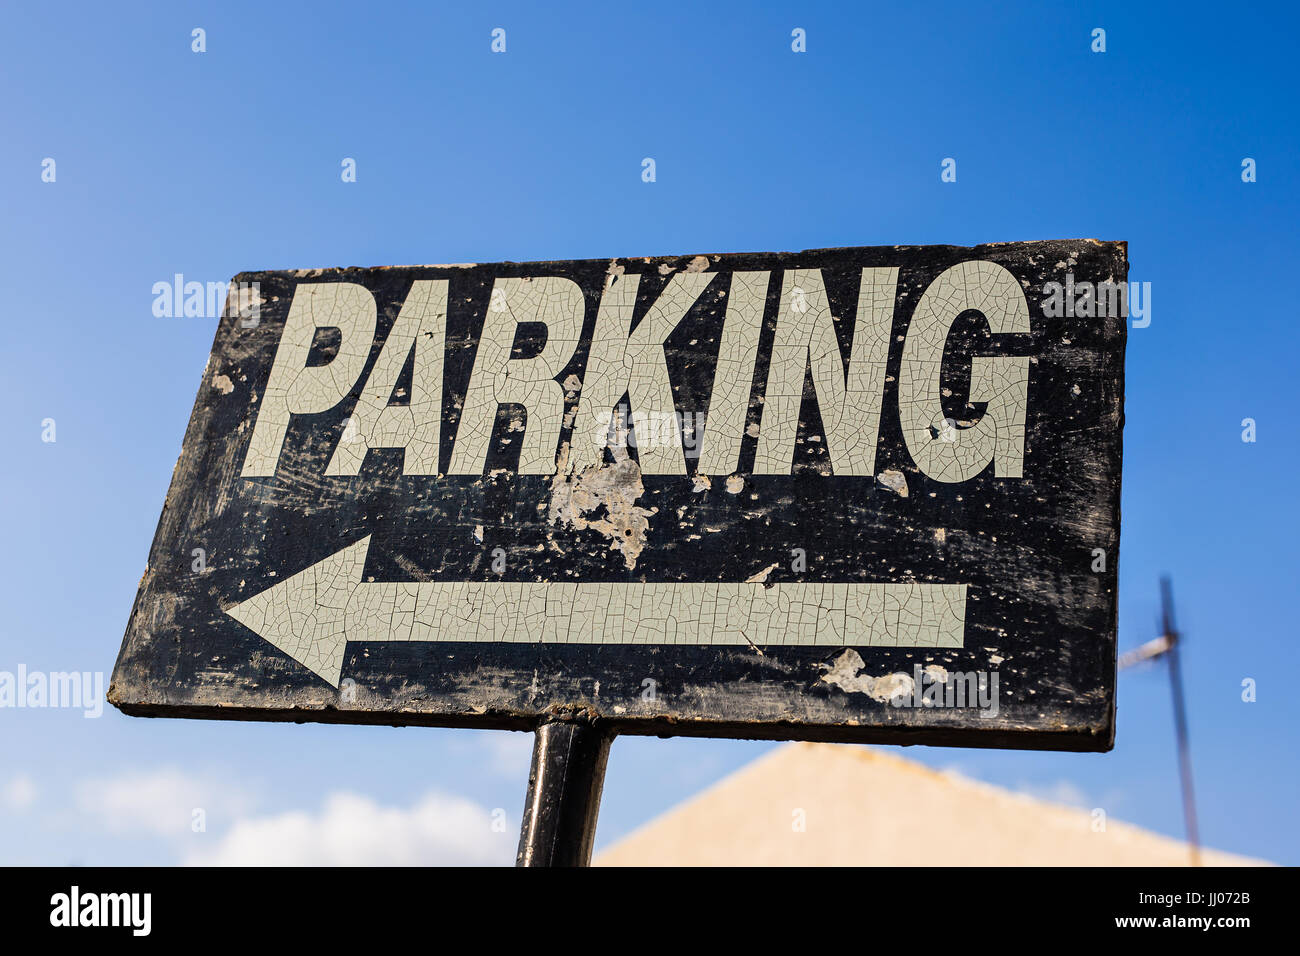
(1180, 721)
(564, 786)
(1184, 758)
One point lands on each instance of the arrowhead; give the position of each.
(304, 615)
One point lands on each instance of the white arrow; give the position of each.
(313, 614)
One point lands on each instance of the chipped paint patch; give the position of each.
(894, 480)
(843, 673)
(613, 488)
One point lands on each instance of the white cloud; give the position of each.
(353, 830)
(161, 802)
(19, 793)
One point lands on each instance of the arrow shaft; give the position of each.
(312, 615)
(901, 615)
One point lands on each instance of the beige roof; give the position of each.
(862, 806)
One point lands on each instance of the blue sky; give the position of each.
(209, 164)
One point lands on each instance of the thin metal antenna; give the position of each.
(1166, 646)
(1170, 632)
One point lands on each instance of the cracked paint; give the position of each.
(313, 614)
(498, 378)
(941, 450)
(849, 400)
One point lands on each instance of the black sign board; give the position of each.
(848, 494)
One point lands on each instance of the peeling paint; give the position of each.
(894, 480)
(843, 673)
(614, 487)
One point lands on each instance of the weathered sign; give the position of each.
(846, 494)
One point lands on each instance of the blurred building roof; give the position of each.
(863, 806)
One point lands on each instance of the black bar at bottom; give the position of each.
(564, 786)
(1018, 902)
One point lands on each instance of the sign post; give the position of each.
(564, 785)
(864, 495)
